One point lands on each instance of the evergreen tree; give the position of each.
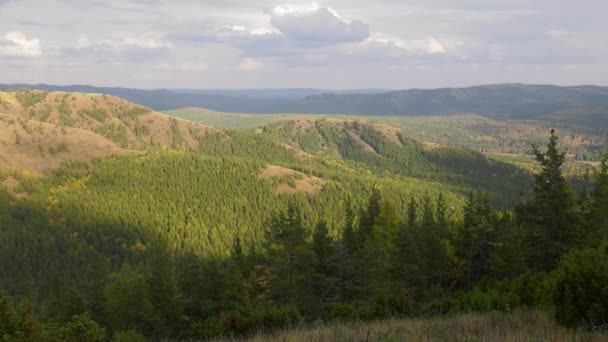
(599, 202)
(291, 259)
(550, 216)
(325, 264)
(368, 218)
(412, 214)
(163, 291)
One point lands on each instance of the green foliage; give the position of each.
(176, 135)
(61, 147)
(65, 113)
(95, 113)
(599, 202)
(177, 244)
(115, 132)
(551, 216)
(141, 130)
(45, 113)
(133, 112)
(28, 98)
(128, 336)
(19, 323)
(82, 328)
(581, 294)
(26, 127)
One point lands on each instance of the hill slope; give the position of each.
(574, 105)
(583, 105)
(41, 129)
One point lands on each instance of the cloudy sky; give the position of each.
(333, 44)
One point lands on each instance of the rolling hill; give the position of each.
(585, 106)
(180, 230)
(41, 129)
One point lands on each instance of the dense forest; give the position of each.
(184, 245)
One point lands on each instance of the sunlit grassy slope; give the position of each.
(514, 326)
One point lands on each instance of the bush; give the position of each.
(339, 311)
(580, 294)
(247, 323)
(208, 328)
(28, 98)
(531, 290)
(82, 328)
(271, 318)
(128, 336)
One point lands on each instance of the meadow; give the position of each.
(517, 325)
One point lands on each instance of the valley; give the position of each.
(204, 224)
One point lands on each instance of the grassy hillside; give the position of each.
(128, 125)
(225, 120)
(40, 129)
(39, 146)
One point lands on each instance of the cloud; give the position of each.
(313, 23)
(123, 47)
(315, 35)
(16, 44)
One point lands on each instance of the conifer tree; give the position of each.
(599, 201)
(291, 258)
(325, 264)
(551, 216)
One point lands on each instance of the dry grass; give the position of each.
(301, 182)
(516, 326)
(29, 136)
(36, 140)
(115, 112)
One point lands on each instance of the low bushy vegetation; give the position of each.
(28, 98)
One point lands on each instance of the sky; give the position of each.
(333, 44)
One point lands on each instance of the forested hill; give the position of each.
(43, 129)
(142, 226)
(572, 105)
(580, 104)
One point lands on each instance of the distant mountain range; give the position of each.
(573, 105)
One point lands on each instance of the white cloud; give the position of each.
(429, 45)
(313, 23)
(150, 40)
(117, 48)
(17, 44)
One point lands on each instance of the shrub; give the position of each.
(580, 294)
(29, 98)
(95, 113)
(339, 311)
(82, 328)
(128, 336)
